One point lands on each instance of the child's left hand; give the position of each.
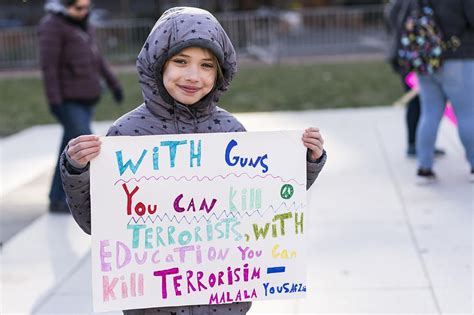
(313, 140)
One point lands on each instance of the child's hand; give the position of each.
(313, 140)
(83, 149)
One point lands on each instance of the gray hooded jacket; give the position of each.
(177, 28)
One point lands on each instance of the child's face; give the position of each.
(190, 75)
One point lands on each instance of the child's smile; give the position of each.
(189, 89)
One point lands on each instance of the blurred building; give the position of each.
(28, 12)
(267, 30)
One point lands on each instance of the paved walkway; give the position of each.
(378, 243)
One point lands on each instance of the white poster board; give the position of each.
(198, 219)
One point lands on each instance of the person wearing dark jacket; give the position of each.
(72, 67)
(187, 62)
(454, 81)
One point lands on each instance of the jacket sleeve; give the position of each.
(76, 184)
(313, 168)
(469, 11)
(239, 127)
(50, 42)
(391, 15)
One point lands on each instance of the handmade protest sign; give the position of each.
(198, 219)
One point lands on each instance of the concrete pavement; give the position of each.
(378, 243)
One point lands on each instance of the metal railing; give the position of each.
(267, 35)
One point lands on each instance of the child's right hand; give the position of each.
(83, 149)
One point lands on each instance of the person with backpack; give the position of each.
(453, 81)
(394, 14)
(436, 40)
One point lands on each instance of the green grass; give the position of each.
(255, 88)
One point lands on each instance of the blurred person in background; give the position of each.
(454, 81)
(395, 14)
(72, 67)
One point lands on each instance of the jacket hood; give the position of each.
(55, 6)
(176, 29)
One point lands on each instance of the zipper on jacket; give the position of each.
(193, 113)
(175, 116)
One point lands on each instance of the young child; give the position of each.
(184, 66)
